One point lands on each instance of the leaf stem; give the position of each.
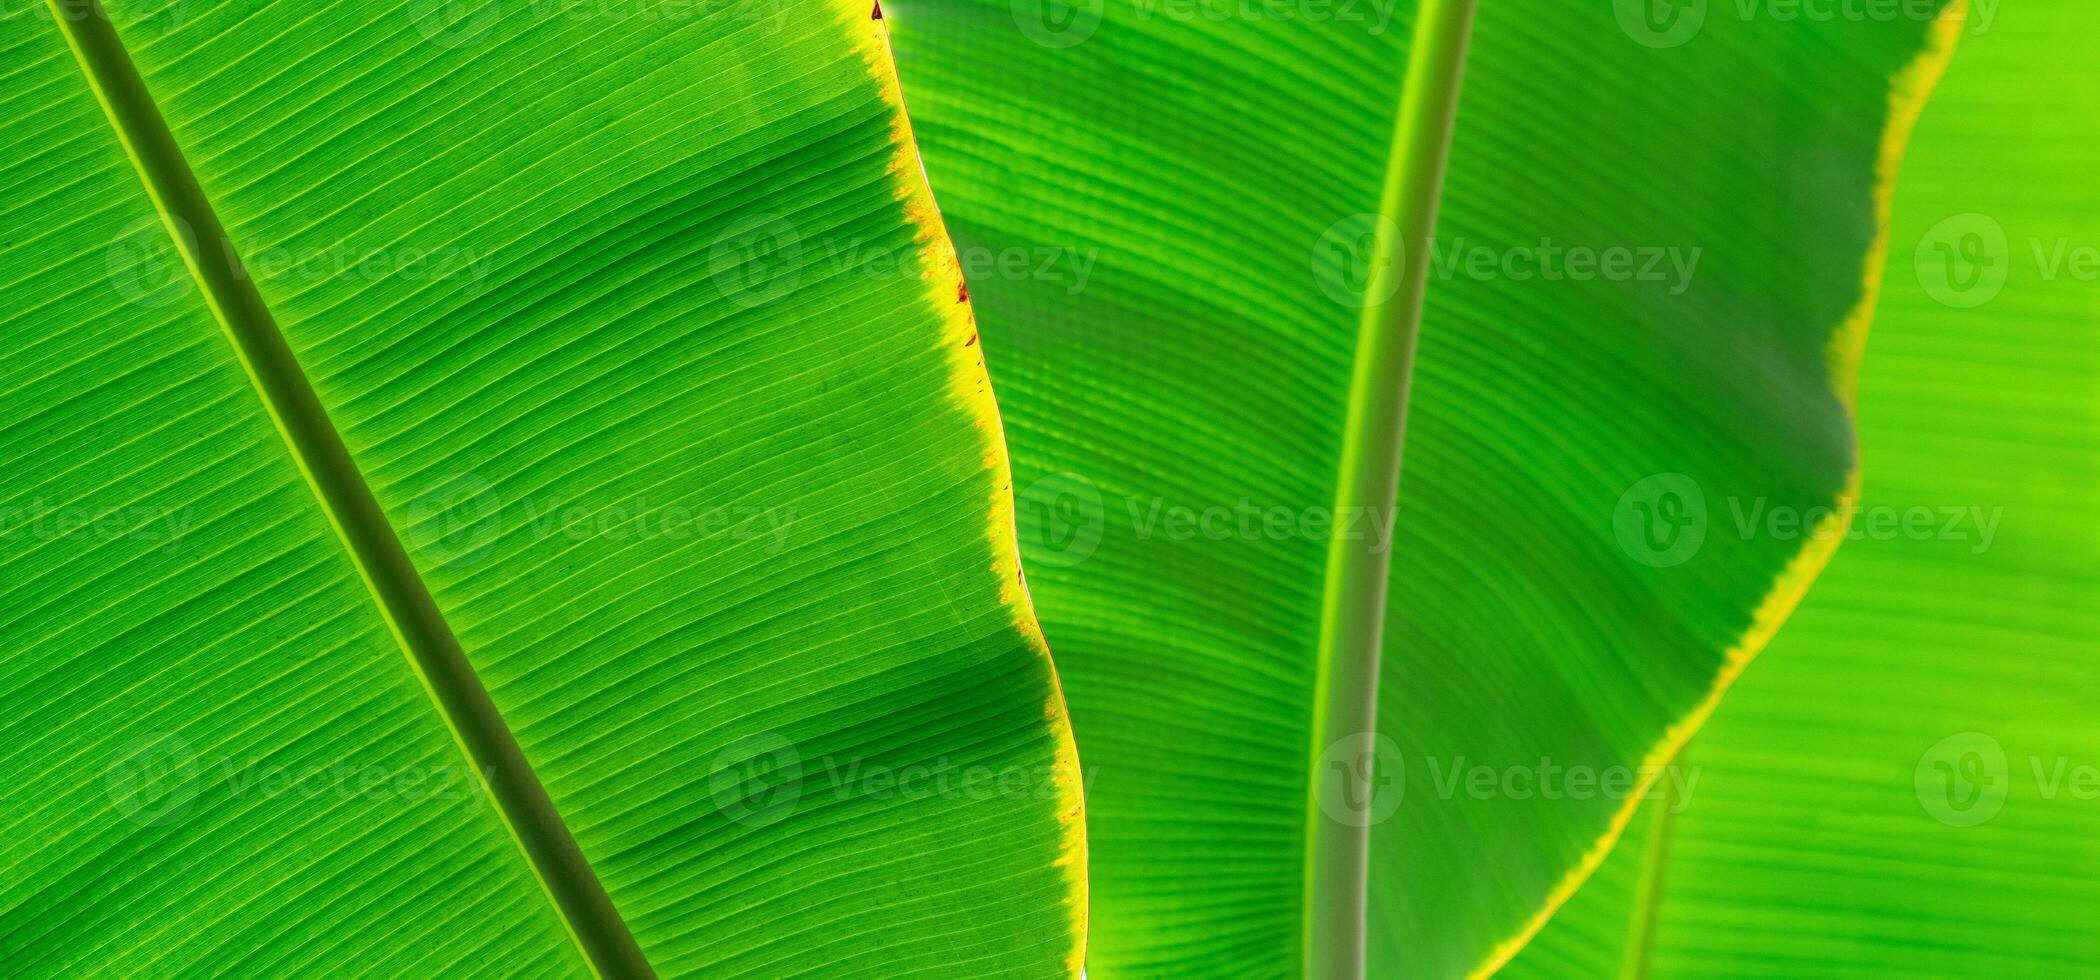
(1353, 613)
(1654, 871)
(375, 547)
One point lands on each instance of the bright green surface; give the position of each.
(213, 634)
(1810, 847)
(1209, 175)
(691, 516)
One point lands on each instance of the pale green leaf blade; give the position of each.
(1574, 584)
(1165, 210)
(217, 759)
(647, 342)
(1902, 784)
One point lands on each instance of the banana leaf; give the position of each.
(1905, 783)
(503, 489)
(1318, 725)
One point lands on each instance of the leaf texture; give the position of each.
(645, 337)
(1894, 788)
(1210, 177)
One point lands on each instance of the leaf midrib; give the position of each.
(1352, 616)
(383, 564)
(1644, 910)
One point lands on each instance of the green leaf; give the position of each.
(506, 489)
(1174, 216)
(1905, 783)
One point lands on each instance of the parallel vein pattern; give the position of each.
(1220, 169)
(1575, 416)
(1887, 791)
(216, 760)
(647, 339)
(227, 286)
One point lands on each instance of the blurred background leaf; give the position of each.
(1908, 782)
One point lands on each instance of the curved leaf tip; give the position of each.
(1909, 90)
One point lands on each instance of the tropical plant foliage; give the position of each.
(543, 562)
(1905, 783)
(511, 487)
(1564, 593)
